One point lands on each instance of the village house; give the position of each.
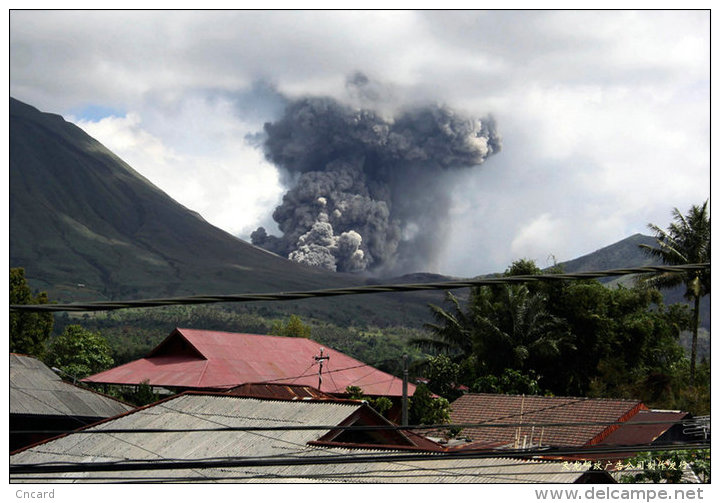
(552, 421)
(305, 437)
(190, 359)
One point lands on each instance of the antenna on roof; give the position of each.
(320, 359)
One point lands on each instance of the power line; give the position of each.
(407, 472)
(358, 427)
(230, 462)
(165, 464)
(367, 289)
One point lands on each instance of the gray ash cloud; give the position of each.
(368, 192)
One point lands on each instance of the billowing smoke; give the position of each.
(368, 192)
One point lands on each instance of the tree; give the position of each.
(293, 328)
(28, 331)
(442, 374)
(565, 338)
(79, 352)
(623, 336)
(451, 332)
(143, 395)
(518, 331)
(686, 241)
(510, 382)
(426, 409)
(381, 404)
(505, 326)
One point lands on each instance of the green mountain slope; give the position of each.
(80, 216)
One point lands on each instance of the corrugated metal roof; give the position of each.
(278, 391)
(37, 390)
(530, 410)
(191, 411)
(230, 359)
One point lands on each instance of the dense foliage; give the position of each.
(28, 331)
(294, 327)
(577, 338)
(428, 409)
(79, 352)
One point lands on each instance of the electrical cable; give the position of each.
(230, 462)
(367, 289)
(374, 473)
(165, 464)
(361, 428)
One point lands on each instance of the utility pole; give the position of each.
(320, 359)
(405, 391)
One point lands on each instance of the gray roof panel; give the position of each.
(37, 390)
(189, 411)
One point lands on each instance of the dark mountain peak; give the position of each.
(80, 215)
(624, 253)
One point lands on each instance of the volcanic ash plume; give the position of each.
(368, 192)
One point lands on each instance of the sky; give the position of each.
(604, 115)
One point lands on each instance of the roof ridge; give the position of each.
(246, 333)
(633, 400)
(339, 401)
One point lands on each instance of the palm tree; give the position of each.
(521, 329)
(504, 327)
(686, 241)
(451, 332)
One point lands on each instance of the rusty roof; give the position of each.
(631, 433)
(529, 413)
(279, 391)
(206, 359)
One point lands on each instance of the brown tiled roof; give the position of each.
(532, 411)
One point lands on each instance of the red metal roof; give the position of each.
(204, 359)
(532, 411)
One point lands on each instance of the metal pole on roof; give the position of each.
(320, 359)
(405, 391)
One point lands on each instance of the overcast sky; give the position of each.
(604, 115)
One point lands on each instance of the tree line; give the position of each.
(580, 338)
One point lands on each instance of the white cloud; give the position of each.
(539, 238)
(226, 180)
